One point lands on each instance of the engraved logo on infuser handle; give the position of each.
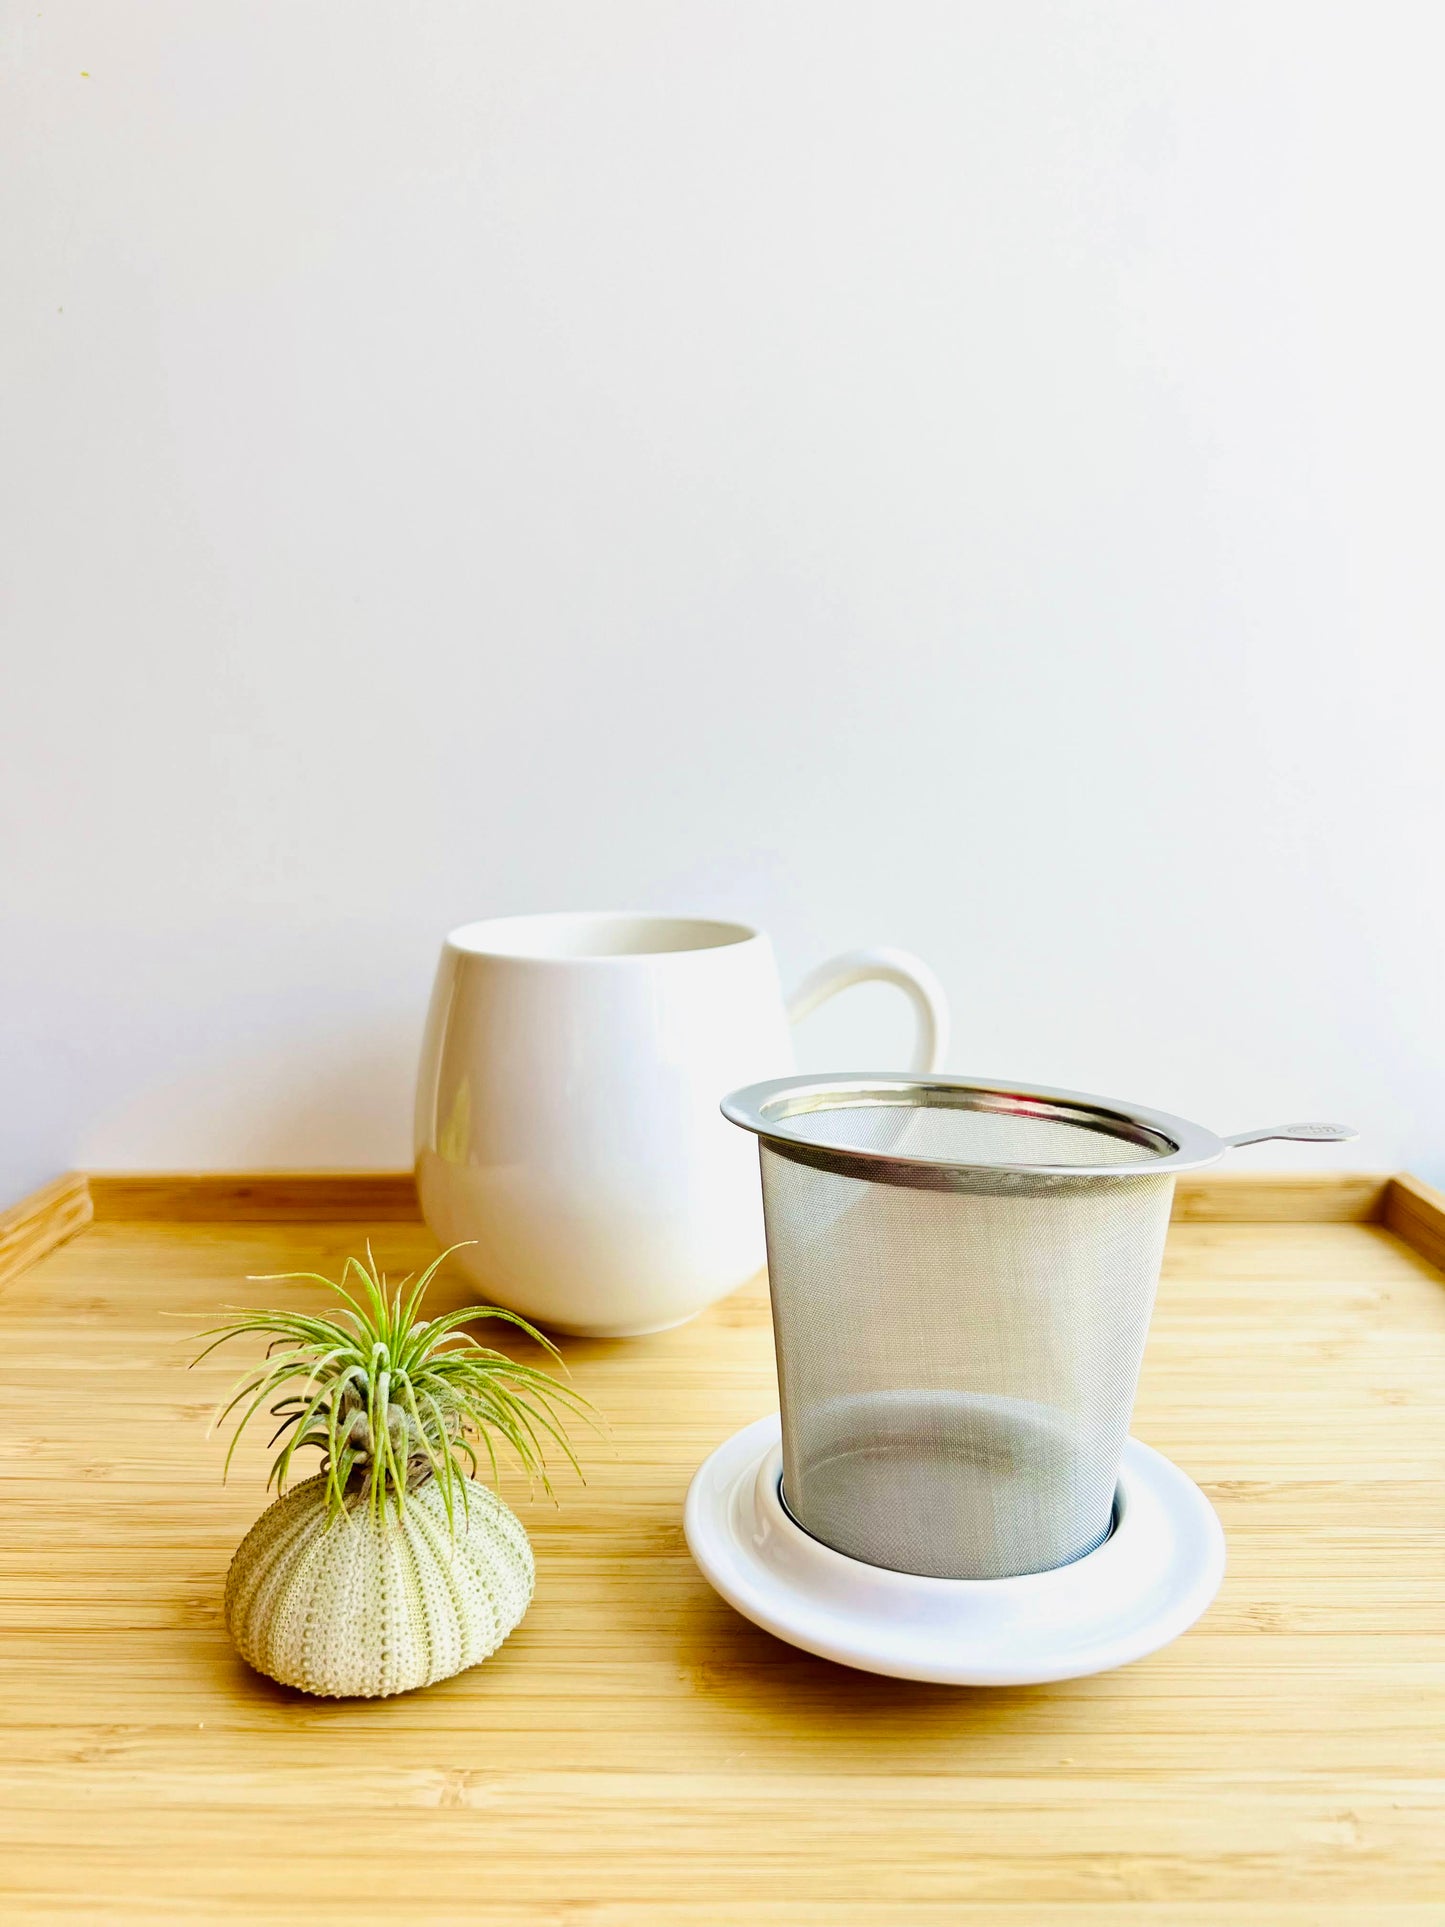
(1313, 1133)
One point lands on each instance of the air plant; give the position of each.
(393, 1400)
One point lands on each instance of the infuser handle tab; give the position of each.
(1301, 1133)
(883, 965)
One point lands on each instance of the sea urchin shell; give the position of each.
(358, 1607)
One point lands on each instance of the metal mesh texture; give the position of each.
(957, 1365)
(957, 1135)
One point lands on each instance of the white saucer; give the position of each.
(1147, 1583)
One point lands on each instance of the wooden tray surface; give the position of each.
(637, 1755)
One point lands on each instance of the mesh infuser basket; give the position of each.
(962, 1276)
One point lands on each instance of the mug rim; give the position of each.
(540, 938)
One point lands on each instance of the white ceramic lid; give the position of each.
(1149, 1581)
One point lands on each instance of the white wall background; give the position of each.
(963, 475)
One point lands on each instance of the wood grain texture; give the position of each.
(42, 1221)
(1281, 1197)
(637, 1755)
(262, 1197)
(281, 1197)
(1415, 1212)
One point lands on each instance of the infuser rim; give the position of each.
(764, 1109)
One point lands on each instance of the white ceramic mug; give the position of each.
(567, 1118)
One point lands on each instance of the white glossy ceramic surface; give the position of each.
(567, 1115)
(1149, 1581)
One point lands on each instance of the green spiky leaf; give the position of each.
(392, 1399)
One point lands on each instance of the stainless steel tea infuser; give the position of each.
(962, 1275)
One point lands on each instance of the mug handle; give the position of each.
(883, 965)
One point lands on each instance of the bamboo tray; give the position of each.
(638, 1756)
